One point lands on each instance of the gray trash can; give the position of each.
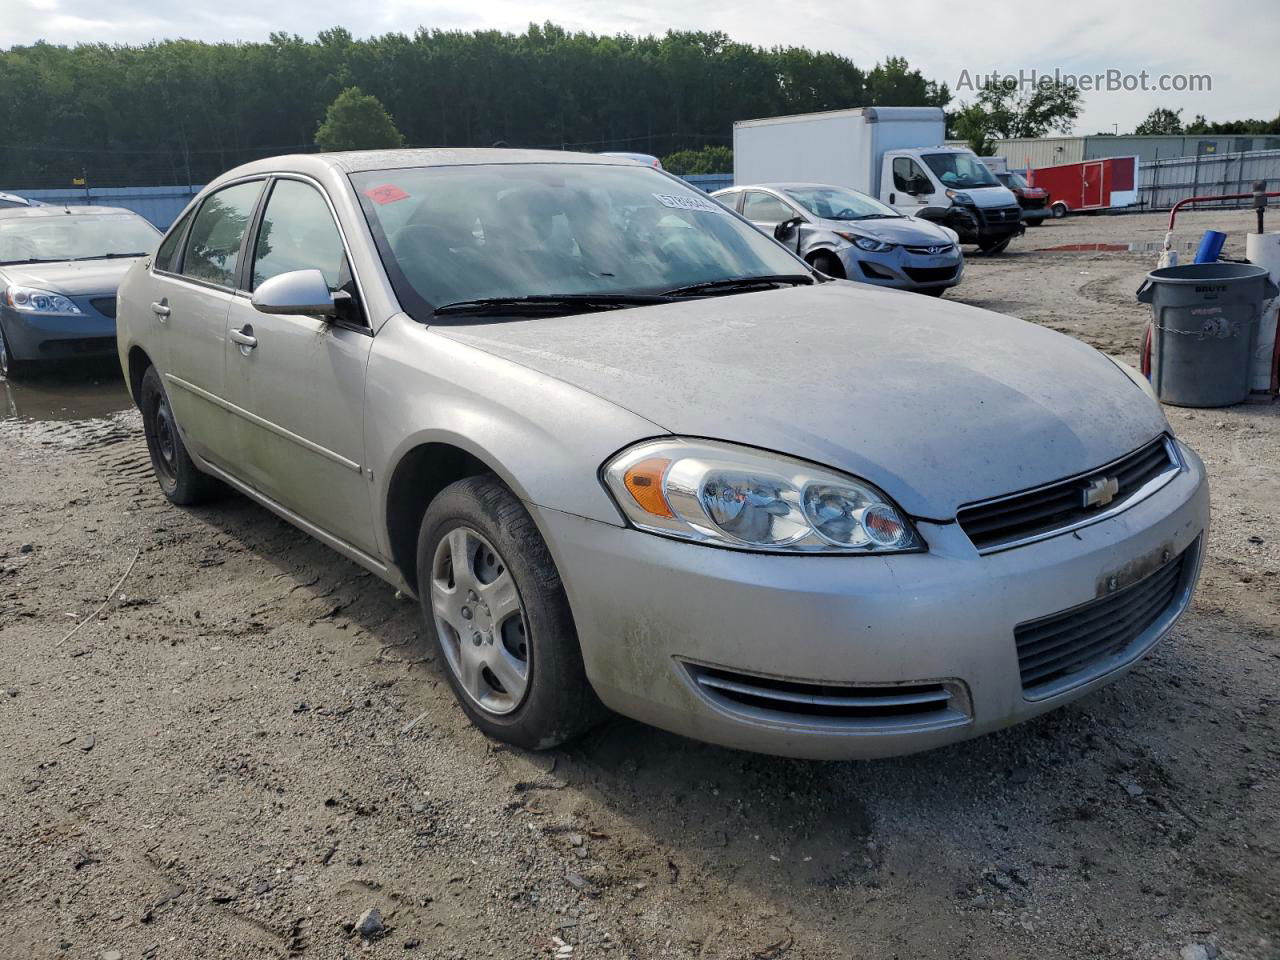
(1204, 324)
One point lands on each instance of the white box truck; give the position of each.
(891, 153)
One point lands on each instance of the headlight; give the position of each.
(959, 196)
(30, 300)
(865, 243)
(732, 496)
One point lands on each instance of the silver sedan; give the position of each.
(849, 235)
(629, 453)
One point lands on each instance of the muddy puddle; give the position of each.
(66, 396)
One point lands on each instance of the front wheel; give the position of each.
(10, 366)
(492, 597)
(990, 248)
(828, 264)
(933, 291)
(180, 479)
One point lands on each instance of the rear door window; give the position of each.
(167, 256)
(213, 244)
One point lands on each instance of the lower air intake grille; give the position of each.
(875, 705)
(1076, 644)
(105, 306)
(930, 274)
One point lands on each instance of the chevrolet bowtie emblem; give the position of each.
(1100, 492)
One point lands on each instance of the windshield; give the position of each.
(75, 237)
(1016, 180)
(960, 170)
(839, 203)
(451, 234)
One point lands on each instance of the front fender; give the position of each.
(544, 438)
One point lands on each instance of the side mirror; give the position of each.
(783, 229)
(296, 293)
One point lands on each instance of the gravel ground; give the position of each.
(249, 747)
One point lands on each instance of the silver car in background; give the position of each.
(629, 452)
(59, 269)
(849, 235)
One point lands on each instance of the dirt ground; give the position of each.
(249, 747)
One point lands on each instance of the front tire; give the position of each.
(492, 598)
(999, 246)
(180, 479)
(11, 368)
(829, 264)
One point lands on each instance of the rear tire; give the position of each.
(493, 600)
(1059, 210)
(11, 368)
(180, 479)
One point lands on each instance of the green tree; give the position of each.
(357, 121)
(972, 124)
(1162, 120)
(710, 159)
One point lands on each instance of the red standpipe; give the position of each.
(1173, 212)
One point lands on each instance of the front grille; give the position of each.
(932, 250)
(1046, 511)
(1034, 203)
(871, 705)
(1002, 214)
(89, 346)
(105, 306)
(1074, 646)
(929, 274)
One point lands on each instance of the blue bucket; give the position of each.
(1210, 246)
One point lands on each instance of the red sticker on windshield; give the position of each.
(387, 193)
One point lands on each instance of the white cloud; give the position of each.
(1233, 42)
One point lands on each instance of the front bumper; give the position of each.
(902, 269)
(47, 336)
(650, 612)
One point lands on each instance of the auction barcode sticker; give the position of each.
(689, 203)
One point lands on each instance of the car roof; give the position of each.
(51, 210)
(360, 161)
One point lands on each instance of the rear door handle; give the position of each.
(161, 309)
(244, 336)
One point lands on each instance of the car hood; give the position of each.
(936, 403)
(72, 278)
(900, 230)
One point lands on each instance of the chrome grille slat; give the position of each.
(935, 696)
(847, 705)
(1056, 647)
(1022, 517)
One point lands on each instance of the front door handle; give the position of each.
(244, 336)
(161, 309)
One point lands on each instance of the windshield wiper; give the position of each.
(740, 284)
(105, 256)
(16, 263)
(880, 216)
(552, 303)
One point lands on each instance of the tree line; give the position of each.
(182, 111)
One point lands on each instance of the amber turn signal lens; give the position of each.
(643, 481)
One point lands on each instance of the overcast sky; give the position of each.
(1233, 41)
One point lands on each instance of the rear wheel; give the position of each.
(180, 479)
(10, 366)
(1059, 210)
(492, 597)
